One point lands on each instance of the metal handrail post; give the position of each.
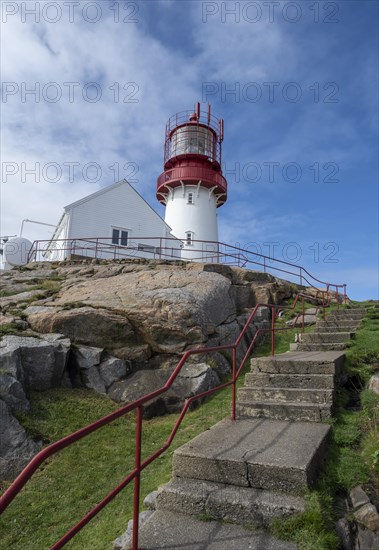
(303, 314)
(234, 378)
(272, 331)
(137, 479)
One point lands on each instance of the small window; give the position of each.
(190, 198)
(124, 238)
(188, 237)
(120, 237)
(115, 236)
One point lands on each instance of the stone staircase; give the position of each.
(255, 469)
(296, 386)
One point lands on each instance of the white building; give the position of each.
(114, 222)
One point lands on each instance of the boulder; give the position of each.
(12, 393)
(367, 516)
(112, 370)
(38, 364)
(10, 357)
(373, 384)
(192, 380)
(243, 296)
(87, 356)
(86, 325)
(93, 368)
(366, 539)
(166, 309)
(262, 294)
(16, 449)
(92, 380)
(134, 353)
(358, 497)
(343, 531)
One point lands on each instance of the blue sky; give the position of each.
(297, 86)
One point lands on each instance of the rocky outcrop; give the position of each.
(167, 310)
(192, 380)
(16, 448)
(93, 368)
(359, 530)
(120, 328)
(37, 363)
(141, 308)
(26, 364)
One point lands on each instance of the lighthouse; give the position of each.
(192, 186)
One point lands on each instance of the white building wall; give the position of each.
(121, 208)
(199, 218)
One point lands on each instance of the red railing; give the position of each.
(137, 406)
(170, 248)
(205, 120)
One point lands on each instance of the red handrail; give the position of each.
(221, 251)
(137, 405)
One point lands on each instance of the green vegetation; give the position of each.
(49, 286)
(6, 293)
(70, 483)
(73, 481)
(9, 328)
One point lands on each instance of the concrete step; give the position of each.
(335, 328)
(263, 454)
(313, 346)
(318, 381)
(307, 362)
(338, 323)
(165, 530)
(294, 411)
(346, 314)
(243, 505)
(284, 395)
(346, 311)
(326, 337)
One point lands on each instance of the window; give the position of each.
(190, 198)
(120, 237)
(189, 237)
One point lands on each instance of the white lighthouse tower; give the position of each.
(192, 186)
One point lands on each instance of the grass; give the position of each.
(10, 328)
(50, 287)
(70, 483)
